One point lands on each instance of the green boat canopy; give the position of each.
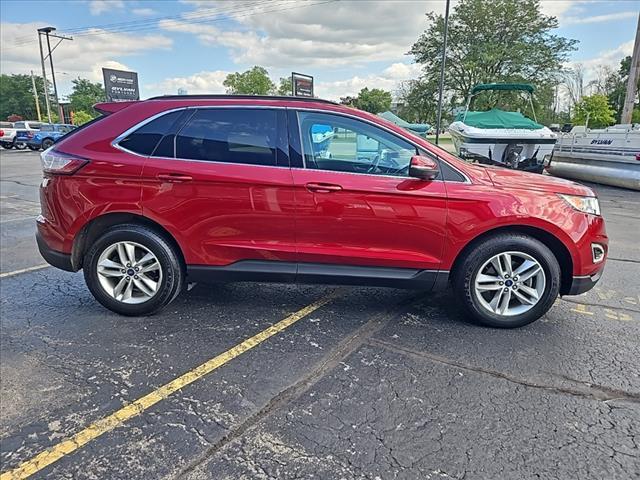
(503, 86)
(496, 118)
(414, 127)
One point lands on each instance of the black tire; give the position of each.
(32, 148)
(475, 258)
(172, 269)
(46, 143)
(19, 145)
(6, 145)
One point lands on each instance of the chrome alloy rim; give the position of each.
(510, 283)
(129, 272)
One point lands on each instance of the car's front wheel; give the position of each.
(19, 145)
(46, 143)
(508, 280)
(133, 271)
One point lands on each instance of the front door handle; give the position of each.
(323, 187)
(174, 177)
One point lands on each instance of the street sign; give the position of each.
(302, 85)
(120, 86)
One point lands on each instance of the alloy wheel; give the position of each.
(129, 272)
(510, 283)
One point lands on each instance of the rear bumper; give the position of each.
(57, 259)
(582, 284)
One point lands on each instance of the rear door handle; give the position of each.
(174, 177)
(323, 187)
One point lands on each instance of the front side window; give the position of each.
(334, 142)
(144, 140)
(231, 135)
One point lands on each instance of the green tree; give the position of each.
(16, 97)
(81, 117)
(85, 94)
(492, 41)
(419, 100)
(374, 100)
(596, 108)
(285, 88)
(251, 82)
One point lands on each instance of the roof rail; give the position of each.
(242, 97)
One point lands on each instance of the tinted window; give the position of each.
(333, 142)
(19, 125)
(231, 135)
(145, 138)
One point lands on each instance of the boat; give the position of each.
(499, 137)
(610, 156)
(417, 128)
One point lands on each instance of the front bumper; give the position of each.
(582, 284)
(57, 259)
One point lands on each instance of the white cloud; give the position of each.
(599, 18)
(326, 35)
(144, 12)
(607, 58)
(203, 82)
(84, 56)
(387, 80)
(96, 7)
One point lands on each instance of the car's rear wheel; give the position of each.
(46, 143)
(508, 280)
(20, 145)
(7, 145)
(132, 270)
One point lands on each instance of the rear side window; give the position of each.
(145, 139)
(248, 136)
(47, 128)
(19, 125)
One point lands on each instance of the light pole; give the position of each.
(444, 59)
(47, 32)
(44, 79)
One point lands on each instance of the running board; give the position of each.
(290, 272)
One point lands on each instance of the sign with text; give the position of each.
(120, 86)
(302, 85)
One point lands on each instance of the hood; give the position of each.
(507, 178)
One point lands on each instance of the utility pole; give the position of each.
(35, 96)
(632, 84)
(44, 78)
(444, 59)
(47, 32)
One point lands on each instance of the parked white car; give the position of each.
(25, 130)
(7, 134)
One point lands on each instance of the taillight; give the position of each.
(29, 134)
(59, 163)
(1, 133)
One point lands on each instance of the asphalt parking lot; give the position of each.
(270, 381)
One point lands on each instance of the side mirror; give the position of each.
(424, 168)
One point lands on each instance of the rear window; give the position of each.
(19, 125)
(248, 136)
(6, 125)
(145, 139)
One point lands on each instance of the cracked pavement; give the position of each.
(377, 384)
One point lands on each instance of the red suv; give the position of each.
(172, 190)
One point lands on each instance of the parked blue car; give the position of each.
(48, 134)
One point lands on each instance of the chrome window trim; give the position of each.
(122, 136)
(382, 127)
(116, 141)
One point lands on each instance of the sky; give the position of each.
(193, 44)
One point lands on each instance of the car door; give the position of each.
(220, 182)
(355, 203)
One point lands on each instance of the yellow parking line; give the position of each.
(117, 418)
(24, 270)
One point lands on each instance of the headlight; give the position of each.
(583, 204)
